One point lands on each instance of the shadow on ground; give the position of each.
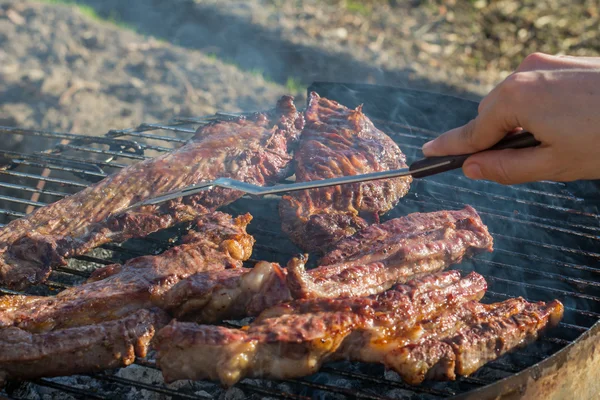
(251, 47)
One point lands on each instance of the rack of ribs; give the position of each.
(217, 242)
(295, 338)
(254, 149)
(338, 142)
(381, 255)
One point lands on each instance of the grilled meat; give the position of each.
(338, 142)
(86, 349)
(295, 338)
(430, 328)
(254, 149)
(476, 334)
(229, 294)
(113, 292)
(381, 255)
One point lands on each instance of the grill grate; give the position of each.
(545, 236)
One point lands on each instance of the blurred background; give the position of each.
(87, 66)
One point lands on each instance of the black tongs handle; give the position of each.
(448, 163)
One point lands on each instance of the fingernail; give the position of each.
(472, 171)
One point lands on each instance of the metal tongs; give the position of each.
(418, 169)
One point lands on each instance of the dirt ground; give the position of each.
(88, 66)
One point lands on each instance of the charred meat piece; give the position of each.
(218, 242)
(229, 294)
(381, 255)
(86, 349)
(253, 149)
(338, 142)
(482, 333)
(295, 338)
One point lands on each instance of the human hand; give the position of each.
(555, 98)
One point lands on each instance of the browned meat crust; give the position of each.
(218, 242)
(337, 142)
(230, 294)
(474, 335)
(254, 149)
(86, 349)
(432, 328)
(381, 255)
(295, 338)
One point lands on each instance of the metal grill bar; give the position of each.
(558, 277)
(71, 271)
(141, 385)
(351, 393)
(22, 201)
(548, 246)
(93, 260)
(533, 286)
(139, 131)
(250, 387)
(156, 137)
(69, 136)
(9, 292)
(400, 385)
(85, 394)
(43, 178)
(269, 392)
(57, 159)
(12, 213)
(559, 263)
(104, 152)
(32, 190)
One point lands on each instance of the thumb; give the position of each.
(510, 166)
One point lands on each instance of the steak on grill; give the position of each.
(338, 142)
(471, 336)
(295, 338)
(218, 242)
(375, 258)
(106, 345)
(254, 149)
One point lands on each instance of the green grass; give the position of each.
(89, 12)
(358, 6)
(258, 72)
(294, 85)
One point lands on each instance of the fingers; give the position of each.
(491, 125)
(511, 167)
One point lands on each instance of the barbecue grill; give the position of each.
(547, 246)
